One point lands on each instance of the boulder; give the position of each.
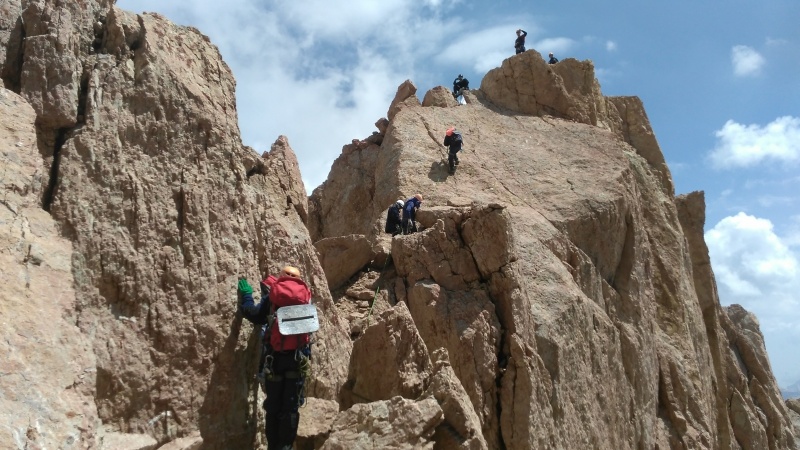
(398, 423)
(389, 359)
(439, 96)
(316, 418)
(343, 256)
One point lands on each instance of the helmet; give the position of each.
(450, 131)
(418, 197)
(399, 203)
(290, 271)
(551, 54)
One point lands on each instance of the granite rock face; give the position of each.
(145, 174)
(47, 385)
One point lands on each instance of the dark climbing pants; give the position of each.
(409, 226)
(283, 401)
(452, 160)
(520, 49)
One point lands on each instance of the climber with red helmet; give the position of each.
(454, 141)
(410, 214)
(285, 361)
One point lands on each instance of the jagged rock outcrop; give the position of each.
(750, 394)
(146, 175)
(595, 311)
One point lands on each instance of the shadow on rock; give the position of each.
(229, 417)
(439, 171)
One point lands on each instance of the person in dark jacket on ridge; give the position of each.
(519, 44)
(454, 141)
(459, 83)
(394, 218)
(553, 59)
(285, 359)
(410, 214)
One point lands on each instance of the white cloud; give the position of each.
(611, 46)
(746, 145)
(749, 250)
(746, 61)
(756, 268)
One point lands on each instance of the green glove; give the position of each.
(244, 287)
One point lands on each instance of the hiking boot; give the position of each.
(456, 161)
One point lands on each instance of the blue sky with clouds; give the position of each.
(720, 80)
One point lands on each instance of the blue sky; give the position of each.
(720, 81)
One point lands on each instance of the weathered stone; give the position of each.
(439, 96)
(389, 359)
(382, 124)
(165, 209)
(342, 257)
(465, 325)
(316, 418)
(128, 441)
(191, 442)
(525, 83)
(794, 414)
(461, 427)
(405, 95)
(398, 423)
(47, 386)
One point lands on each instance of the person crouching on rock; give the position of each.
(410, 214)
(285, 359)
(393, 218)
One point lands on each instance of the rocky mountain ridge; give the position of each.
(559, 295)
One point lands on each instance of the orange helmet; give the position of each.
(290, 271)
(450, 131)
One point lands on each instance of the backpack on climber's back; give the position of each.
(286, 293)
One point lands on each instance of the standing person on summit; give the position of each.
(519, 44)
(285, 360)
(553, 59)
(454, 141)
(410, 214)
